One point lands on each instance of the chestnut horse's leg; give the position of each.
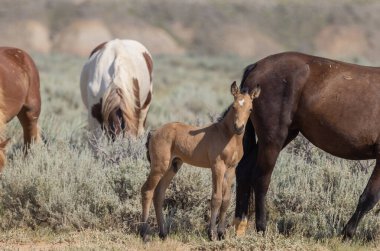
(159, 195)
(229, 178)
(28, 117)
(367, 200)
(218, 171)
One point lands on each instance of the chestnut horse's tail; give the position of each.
(147, 146)
(244, 194)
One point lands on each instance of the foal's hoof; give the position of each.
(212, 235)
(221, 235)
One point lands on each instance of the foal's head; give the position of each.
(242, 106)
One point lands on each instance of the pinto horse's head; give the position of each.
(112, 122)
(242, 106)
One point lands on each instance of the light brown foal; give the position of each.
(217, 146)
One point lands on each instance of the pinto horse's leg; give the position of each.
(28, 117)
(159, 195)
(218, 172)
(367, 200)
(229, 177)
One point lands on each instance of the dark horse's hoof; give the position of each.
(144, 229)
(347, 233)
(163, 235)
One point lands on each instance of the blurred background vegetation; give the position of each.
(199, 47)
(346, 29)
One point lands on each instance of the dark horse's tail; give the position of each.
(244, 200)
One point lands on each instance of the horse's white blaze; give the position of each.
(241, 102)
(115, 66)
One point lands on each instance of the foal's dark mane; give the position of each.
(224, 113)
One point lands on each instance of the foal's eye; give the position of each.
(250, 110)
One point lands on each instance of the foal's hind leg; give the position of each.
(229, 178)
(28, 117)
(147, 190)
(159, 195)
(367, 201)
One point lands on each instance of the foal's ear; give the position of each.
(234, 89)
(255, 92)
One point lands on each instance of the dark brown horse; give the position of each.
(19, 94)
(335, 105)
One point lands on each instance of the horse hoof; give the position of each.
(163, 236)
(212, 235)
(240, 226)
(221, 235)
(144, 229)
(347, 234)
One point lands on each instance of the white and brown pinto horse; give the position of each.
(116, 87)
(19, 95)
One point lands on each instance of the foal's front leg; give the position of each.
(218, 171)
(229, 178)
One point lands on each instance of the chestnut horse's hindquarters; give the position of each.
(19, 80)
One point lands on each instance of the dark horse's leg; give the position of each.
(243, 182)
(367, 200)
(261, 175)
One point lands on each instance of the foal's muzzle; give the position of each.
(239, 130)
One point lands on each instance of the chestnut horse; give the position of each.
(19, 94)
(116, 87)
(335, 105)
(217, 146)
